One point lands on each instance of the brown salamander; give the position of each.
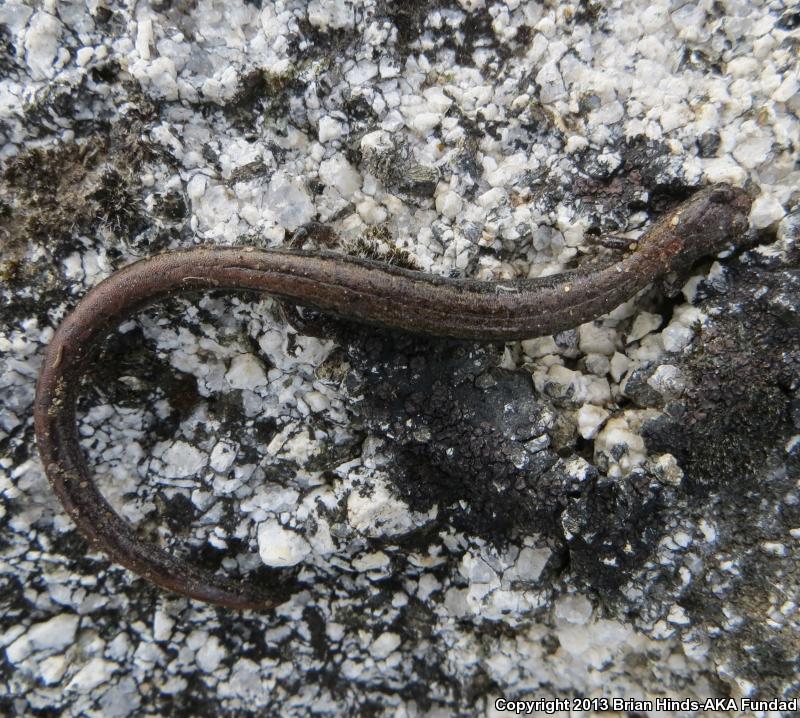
(357, 289)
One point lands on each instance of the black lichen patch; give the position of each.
(744, 373)
(176, 511)
(612, 529)
(171, 206)
(476, 441)
(8, 53)
(462, 32)
(765, 653)
(731, 431)
(60, 192)
(313, 43)
(408, 18)
(368, 246)
(314, 235)
(265, 96)
(588, 11)
(395, 165)
(618, 190)
(128, 373)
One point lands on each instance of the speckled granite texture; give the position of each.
(610, 512)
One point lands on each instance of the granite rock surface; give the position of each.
(610, 512)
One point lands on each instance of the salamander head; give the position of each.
(712, 219)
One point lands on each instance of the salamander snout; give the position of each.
(714, 218)
(736, 204)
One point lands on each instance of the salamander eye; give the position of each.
(721, 195)
(740, 223)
